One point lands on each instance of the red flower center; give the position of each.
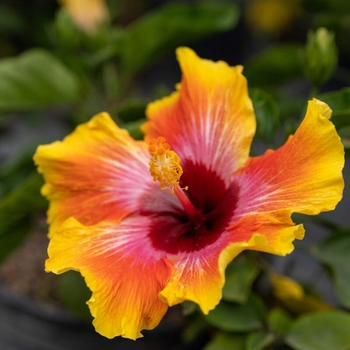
(208, 205)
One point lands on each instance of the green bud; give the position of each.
(320, 58)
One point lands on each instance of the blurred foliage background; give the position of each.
(62, 62)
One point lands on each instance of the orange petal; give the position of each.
(271, 188)
(120, 267)
(303, 176)
(196, 278)
(200, 276)
(96, 173)
(210, 120)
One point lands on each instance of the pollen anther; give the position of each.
(164, 165)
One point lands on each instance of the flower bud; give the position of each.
(320, 56)
(86, 14)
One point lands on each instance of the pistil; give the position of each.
(194, 215)
(165, 168)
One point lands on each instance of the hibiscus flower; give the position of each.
(152, 223)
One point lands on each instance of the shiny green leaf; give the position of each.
(170, 26)
(234, 317)
(259, 340)
(34, 80)
(321, 331)
(227, 341)
(334, 252)
(240, 275)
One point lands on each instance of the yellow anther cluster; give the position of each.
(164, 165)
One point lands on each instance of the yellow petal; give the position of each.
(96, 173)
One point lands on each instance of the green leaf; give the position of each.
(226, 341)
(344, 134)
(195, 327)
(240, 275)
(89, 48)
(339, 102)
(16, 211)
(259, 340)
(289, 109)
(188, 307)
(334, 252)
(134, 128)
(12, 234)
(170, 26)
(24, 199)
(66, 34)
(34, 80)
(237, 317)
(267, 114)
(131, 115)
(16, 172)
(321, 331)
(132, 109)
(10, 20)
(276, 65)
(279, 321)
(74, 293)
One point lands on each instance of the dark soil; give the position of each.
(23, 270)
